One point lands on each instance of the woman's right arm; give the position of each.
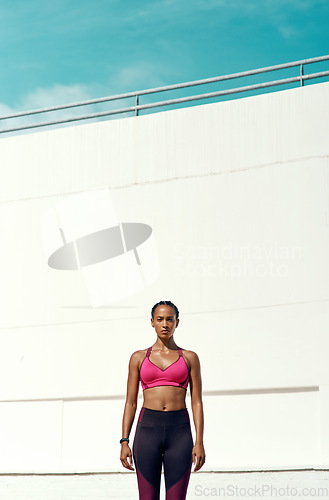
(130, 408)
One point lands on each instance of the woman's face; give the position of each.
(164, 321)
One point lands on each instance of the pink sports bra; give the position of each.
(175, 374)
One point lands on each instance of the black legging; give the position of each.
(163, 437)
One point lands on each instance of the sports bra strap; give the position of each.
(180, 352)
(148, 352)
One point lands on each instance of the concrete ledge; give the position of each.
(283, 484)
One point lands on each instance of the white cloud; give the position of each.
(45, 98)
(5, 110)
(288, 31)
(57, 94)
(142, 75)
(135, 77)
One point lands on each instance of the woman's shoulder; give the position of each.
(187, 352)
(138, 356)
(191, 356)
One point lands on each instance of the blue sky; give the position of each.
(67, 50)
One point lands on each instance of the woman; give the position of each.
(163, 432)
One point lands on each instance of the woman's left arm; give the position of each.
(198, 452)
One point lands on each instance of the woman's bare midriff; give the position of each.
(165, 398)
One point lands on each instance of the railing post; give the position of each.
(301, 75)
(136, 104)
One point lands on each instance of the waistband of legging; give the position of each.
(164, 418)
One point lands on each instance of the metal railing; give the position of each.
(137, 107)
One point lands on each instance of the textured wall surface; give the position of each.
(237, 196)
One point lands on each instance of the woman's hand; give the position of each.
(199, 456)
(126, 456)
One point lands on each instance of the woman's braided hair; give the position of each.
(165, 303)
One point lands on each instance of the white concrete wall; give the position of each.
(237, 196)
